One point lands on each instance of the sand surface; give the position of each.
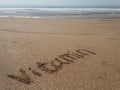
(25, 42)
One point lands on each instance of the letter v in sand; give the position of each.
(25, 78)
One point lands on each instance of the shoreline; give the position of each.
(85, 19)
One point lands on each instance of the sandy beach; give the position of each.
(59, 54)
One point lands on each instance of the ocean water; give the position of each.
(58, 13)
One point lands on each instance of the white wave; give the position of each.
(59, 8)
(4, 16)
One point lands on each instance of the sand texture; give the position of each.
(59, 54)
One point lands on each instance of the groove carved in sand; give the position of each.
(57, 64)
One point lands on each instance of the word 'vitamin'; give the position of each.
(52, 66)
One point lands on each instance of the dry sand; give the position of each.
(23, 42)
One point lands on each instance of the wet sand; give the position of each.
(59, 54)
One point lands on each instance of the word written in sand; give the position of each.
(52, 66)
